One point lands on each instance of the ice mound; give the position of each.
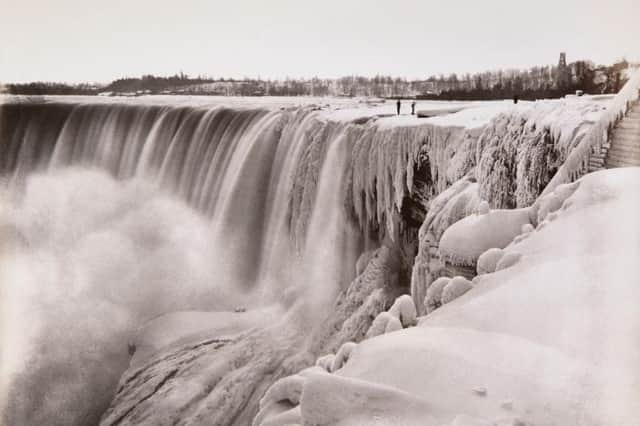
(405, 310)
(467, 239)
(508, 260)
(488, 260)
(433, 298)
(454, 289)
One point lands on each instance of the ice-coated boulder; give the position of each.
(464, 241)
(456, 288)
(325, 362)
(508, 260)
(393, 324)
(405, 310)
(379, 324)
(488, 260)
(288, 388)
(484, 208)
(433, 299)
(342, 356)
(527, 228)
(553, 201)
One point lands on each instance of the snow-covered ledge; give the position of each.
(464, 241)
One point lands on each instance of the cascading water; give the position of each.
(118, 213)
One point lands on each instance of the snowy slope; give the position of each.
(554, 339)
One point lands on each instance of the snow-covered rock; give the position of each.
(325, 362)
(433, 299)
(483, 208)
(342, 356)
(508, 260)
(455, 288)
(393, 324)
(527, 228)
(464, 241)
(488, 260)
(405, 310)
(553, 201)
(379, 324)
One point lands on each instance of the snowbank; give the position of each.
(467, 239)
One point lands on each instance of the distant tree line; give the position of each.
(549, 81)
(47, 88)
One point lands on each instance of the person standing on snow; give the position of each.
(413, 108)
(398, 106)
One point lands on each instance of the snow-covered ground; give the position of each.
(552, 339)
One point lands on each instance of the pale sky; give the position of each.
(88, 40)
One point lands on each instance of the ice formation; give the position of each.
(405, 310)
(527, 228)
(342, 356)
(393, 324)
(453, 204)
(379, 324)
(454, 289)
(467, 239)
(325, 362)
(508, 260)
(520, 151)
(433, 298)
(488, 260)
(401, 314)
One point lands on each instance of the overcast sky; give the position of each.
(88, 40)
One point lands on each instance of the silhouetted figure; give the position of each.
(413, 108)
(515, 99)
(398, 106)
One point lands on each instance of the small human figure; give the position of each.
(413, 108)
(398, 106)
(515, 98)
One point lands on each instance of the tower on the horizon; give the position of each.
(563, 77)
(562, 63)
